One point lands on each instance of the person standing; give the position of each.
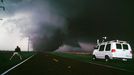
(17, 52)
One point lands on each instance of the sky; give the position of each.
(9, 38)
(52, 23)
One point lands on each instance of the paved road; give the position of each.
(47, 64)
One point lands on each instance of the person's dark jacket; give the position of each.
(17, 49)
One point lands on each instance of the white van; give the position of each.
(113, 50)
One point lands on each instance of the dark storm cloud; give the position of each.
(54, 21)
(38, 20)
(99, 18)
(92, 19)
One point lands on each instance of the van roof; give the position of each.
(114, 41)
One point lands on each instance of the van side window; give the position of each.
(125, 46)
(102, 48)
(108, 47)
(118, 46)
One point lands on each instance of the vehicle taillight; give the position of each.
(113, 50)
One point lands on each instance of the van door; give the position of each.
(100, 53)
(118, 51)
(107, 50)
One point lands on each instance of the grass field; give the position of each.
(127, 65)
(5, 63)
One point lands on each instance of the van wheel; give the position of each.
(107, 58)
(93, 57)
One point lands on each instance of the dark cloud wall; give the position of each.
(95, 18)
(55, 21)
(105, 18)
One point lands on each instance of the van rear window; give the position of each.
(118, 46)
(125, 46)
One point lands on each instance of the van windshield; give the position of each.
(96, 47)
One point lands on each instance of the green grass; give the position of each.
(128, 65)
(79, 57)
(5, 63)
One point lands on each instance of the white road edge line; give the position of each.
(110, 67)
(17, 65)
